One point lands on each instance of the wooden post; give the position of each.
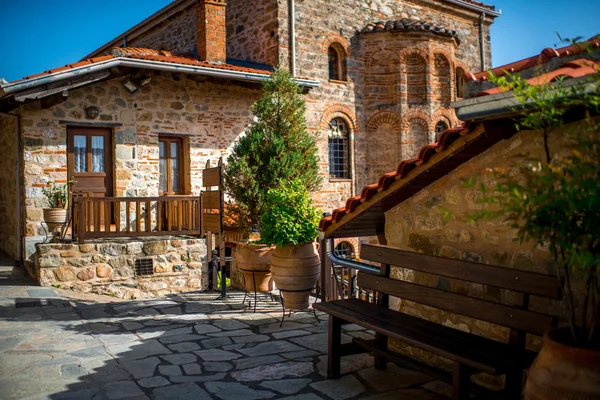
(384, 301)
(335, 344)
(81, 220)
(325, 271)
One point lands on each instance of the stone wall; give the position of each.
(177, 35)
(438, 221)
(178, 265)
(252, 31)
(208, 115)
(9, 196)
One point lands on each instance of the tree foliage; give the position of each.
(555, 201)
(275, 150)
(290, 217)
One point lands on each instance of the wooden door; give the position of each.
(89, 164)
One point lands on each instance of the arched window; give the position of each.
(440, 127)
(337, 63)
(441, 75)
(460, 83)
(339, 149)
(344, 250)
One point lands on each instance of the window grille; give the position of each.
(144, 267)
(440, 127)
(344, 250)
(339, 149)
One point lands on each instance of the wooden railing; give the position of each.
(103, 217)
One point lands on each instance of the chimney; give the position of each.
(211, 31)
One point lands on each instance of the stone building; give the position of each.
(176, 90)
(427, 204)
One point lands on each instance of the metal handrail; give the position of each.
(349, 263)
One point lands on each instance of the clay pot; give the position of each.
(257, 258)
(562, 371)
(296, 270)
(55, 218)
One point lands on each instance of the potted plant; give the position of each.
(57, 197)
(275, 149)
(554, 201)
(290, 222)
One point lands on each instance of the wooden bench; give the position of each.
(469, 353)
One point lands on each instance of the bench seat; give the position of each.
(476, 352)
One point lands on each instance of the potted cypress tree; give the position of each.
(275, 149)
(291, 222)
(554, 201)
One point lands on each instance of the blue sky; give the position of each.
(38, 34)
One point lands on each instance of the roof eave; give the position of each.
(503, 104)
(147, 64)
(475, 7)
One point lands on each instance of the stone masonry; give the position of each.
(178, 265)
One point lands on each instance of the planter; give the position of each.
(55, 218)
(296, 270)
(257, 258)
(562, 371)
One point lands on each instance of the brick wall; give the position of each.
(211, 30)
(9, 143)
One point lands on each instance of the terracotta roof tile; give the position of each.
(404, 167)
(168, 57)
(150, 55)
(546, 55)
(572, 69)
(409, 25)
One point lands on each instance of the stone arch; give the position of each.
(384, 151)
(338, 110)
(441, 82)
(339, 40)
(382, 80)
(415, 67)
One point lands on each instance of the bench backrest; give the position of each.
(516, 317)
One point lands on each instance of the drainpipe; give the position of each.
(369, 269)
(482, 41)
(18, 181)
(292, 13)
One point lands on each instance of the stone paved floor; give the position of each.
(181, 347)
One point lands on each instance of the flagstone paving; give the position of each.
(189, 346)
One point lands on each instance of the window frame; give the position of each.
(438, 133)
(168, 140)
(345, 136)
(340, 64)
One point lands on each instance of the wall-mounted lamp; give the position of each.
(129, 85)
(92, 112)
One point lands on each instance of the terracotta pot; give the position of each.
(562, 371)
(55, 218)
(257, 258)
(296, 270)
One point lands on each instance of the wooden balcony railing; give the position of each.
(104, 217)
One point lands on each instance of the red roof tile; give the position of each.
(445, 140)
(546, 55)
(572, 69)
(409, 25)
(168, 57)
(149, 55)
